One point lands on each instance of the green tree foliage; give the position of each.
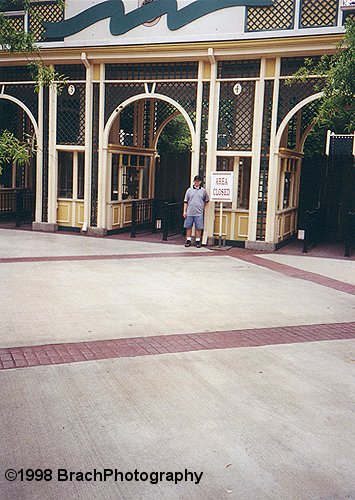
(14, 151)
(19, 41)
(337, 106)
(14, 41)
(175, 137)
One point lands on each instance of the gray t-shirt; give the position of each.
(196, 199)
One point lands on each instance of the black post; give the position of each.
(19, 208)
(134, 219)
(165, 221)
(349, 233)
(306, 233)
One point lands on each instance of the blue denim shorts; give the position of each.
(194, 219)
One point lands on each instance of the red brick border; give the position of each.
(52, 354)
(237, 253)
(294, 272)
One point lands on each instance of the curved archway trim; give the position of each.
(25, 108)
(290, 114)
(148, 96)
(162, 126)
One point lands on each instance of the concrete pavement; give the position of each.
(272, 421)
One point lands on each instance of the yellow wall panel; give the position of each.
(79, 214)
(225, 224)
(127, 214)
(206, 71)
(116, 215)
(242, 226)
(63, 213)
(270, 67)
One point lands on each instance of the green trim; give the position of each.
(231, 243)
(69, 229)
(121, 23)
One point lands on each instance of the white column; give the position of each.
(195, 156)
(39, 160)
(256, 152)
(52, 157)
(88, 146)
(102, 157)
(211, 144)
(274, 171)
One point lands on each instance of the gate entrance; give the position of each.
(328, 192)
(17, 182)
(149, 164)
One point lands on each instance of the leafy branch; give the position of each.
(338, 72)
(12, 150)
(13, 40)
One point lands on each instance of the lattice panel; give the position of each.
(308, 114)
(117, 93)
(292, 132)
(348, 16)
(235, 120)
(315, 13)
(17, 23)
(15, 74)
(8, 116)
(43, 12)
(71, 71)
(146, 123)
(289, 65)
(163, 110)
(264, 162)
(185, 93)
(45, 163)
(290, 95)
(239, 69)
(341, 145)
(279, 16)
(26, 94)
(95, 154)
(152, 71)
(204, 127)
(127, 133)
(71, 116)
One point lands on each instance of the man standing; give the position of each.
(195, 200)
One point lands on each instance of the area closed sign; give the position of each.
(221, 186)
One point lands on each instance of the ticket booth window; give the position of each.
(287, 190)
(129, 176)
(244, 183)
(241, 168)
(71, 175)
(289, 183)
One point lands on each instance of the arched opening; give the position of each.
(328, 183)
(172, 172)
(149, 144)
(15, 120)
(314, 189)
(18, 182)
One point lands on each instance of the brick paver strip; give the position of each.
(294, 272)
(245, 255)
(75, 352)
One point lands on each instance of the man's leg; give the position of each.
(188, 226)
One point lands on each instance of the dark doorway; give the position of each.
(328, 183)
(173, 166)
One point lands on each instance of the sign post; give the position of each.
(221, 191)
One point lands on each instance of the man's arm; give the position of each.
(186, 202)
(207, 198)
(184, 213)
